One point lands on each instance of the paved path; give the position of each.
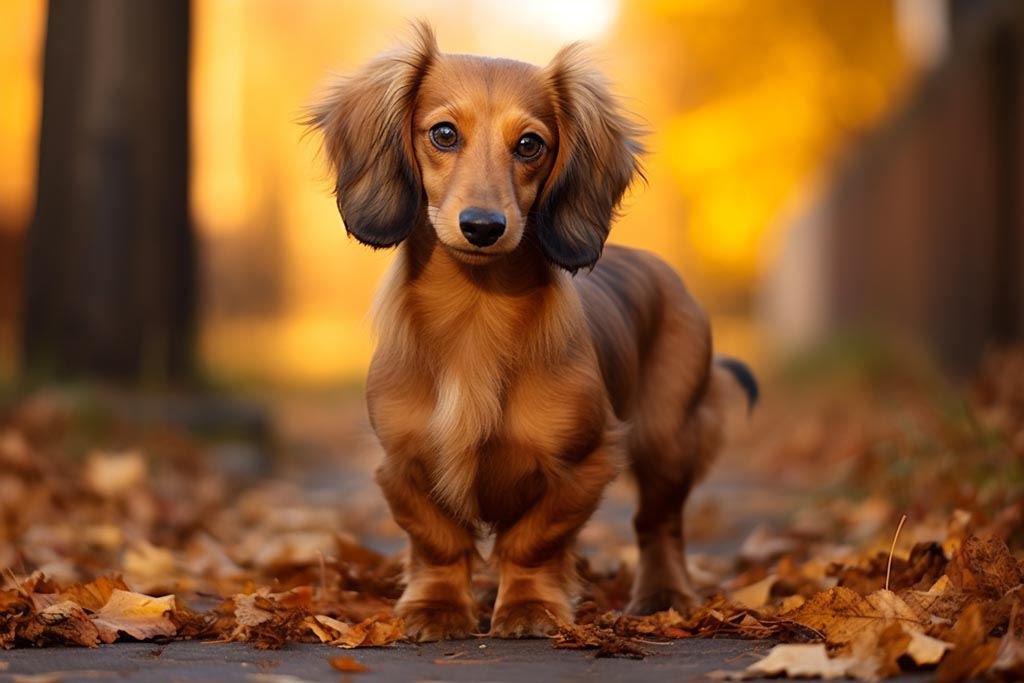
(514, 661)
(328, 458)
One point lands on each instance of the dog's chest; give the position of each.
(509, 480)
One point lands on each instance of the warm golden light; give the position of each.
(746, 102)
(20, 63)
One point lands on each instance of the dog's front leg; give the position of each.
(535, 556)
(437, 602)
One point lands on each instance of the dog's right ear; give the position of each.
(366, 123)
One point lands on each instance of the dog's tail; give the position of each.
(738, 371)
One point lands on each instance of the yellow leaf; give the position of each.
(114, 474)
(372, 632)
(248, 613)
(140, 616)
(801, 661)
(925, 650)
(756, 594)
(842, 615)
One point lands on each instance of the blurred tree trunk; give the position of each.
(110, 263)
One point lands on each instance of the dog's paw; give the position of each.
(527, 620)
(429, 621)
(661, 600)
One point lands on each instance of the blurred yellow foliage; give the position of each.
(20, 64)
(745, 101)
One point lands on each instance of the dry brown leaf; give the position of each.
(140, 616)
(62, 623)
(925, 650)
(252, 609)
(842, 615)
(874, 653)
(1009, 661)
(984, 567)
(973, 651)
(756, 594)
(372, 632)
(115, 474)
(794, 661)
(942, 607)
(605, 640)
(95, 594)
(348, 665)
(150, 568)
(384, 631)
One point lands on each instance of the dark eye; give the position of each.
(444, 136)
(529, 147)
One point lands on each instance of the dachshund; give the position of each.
(515, 373)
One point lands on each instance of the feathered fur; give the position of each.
(506, 392)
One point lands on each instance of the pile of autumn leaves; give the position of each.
(963, 615)
(151, 544)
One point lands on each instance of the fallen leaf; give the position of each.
(114, 474)
(876, 653)
(95, 594)
(64, 623)
(140, 616)
(372, 632)
(248, 612)
(925, 650)
(594, 637)
(984, 567)
(149, 567)
(348, 664)
(756, 594)
(794, 661)
(1009, 661)
(842, 615)
(973, 652)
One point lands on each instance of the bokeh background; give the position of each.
(183, 321)
(817, 169)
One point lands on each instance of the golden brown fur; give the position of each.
(506, 392)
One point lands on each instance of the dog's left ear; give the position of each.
(598, 157)
(366, 123)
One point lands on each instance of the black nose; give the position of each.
(481, 227)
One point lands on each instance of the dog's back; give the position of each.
(647, 329)
(653, 342)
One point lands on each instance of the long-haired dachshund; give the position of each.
(516, 373)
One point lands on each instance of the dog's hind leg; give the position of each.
(662, 580)
(664, 480)
(666, 468)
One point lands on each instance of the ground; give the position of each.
(271, 534)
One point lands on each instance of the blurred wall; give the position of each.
(920, 233)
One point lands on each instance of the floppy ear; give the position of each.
(366, 122)
(598, 149)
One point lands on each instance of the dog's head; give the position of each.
(490, 151)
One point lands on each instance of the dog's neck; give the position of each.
(522, 273)
(433, 297)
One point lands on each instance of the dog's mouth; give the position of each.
(472, 256)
